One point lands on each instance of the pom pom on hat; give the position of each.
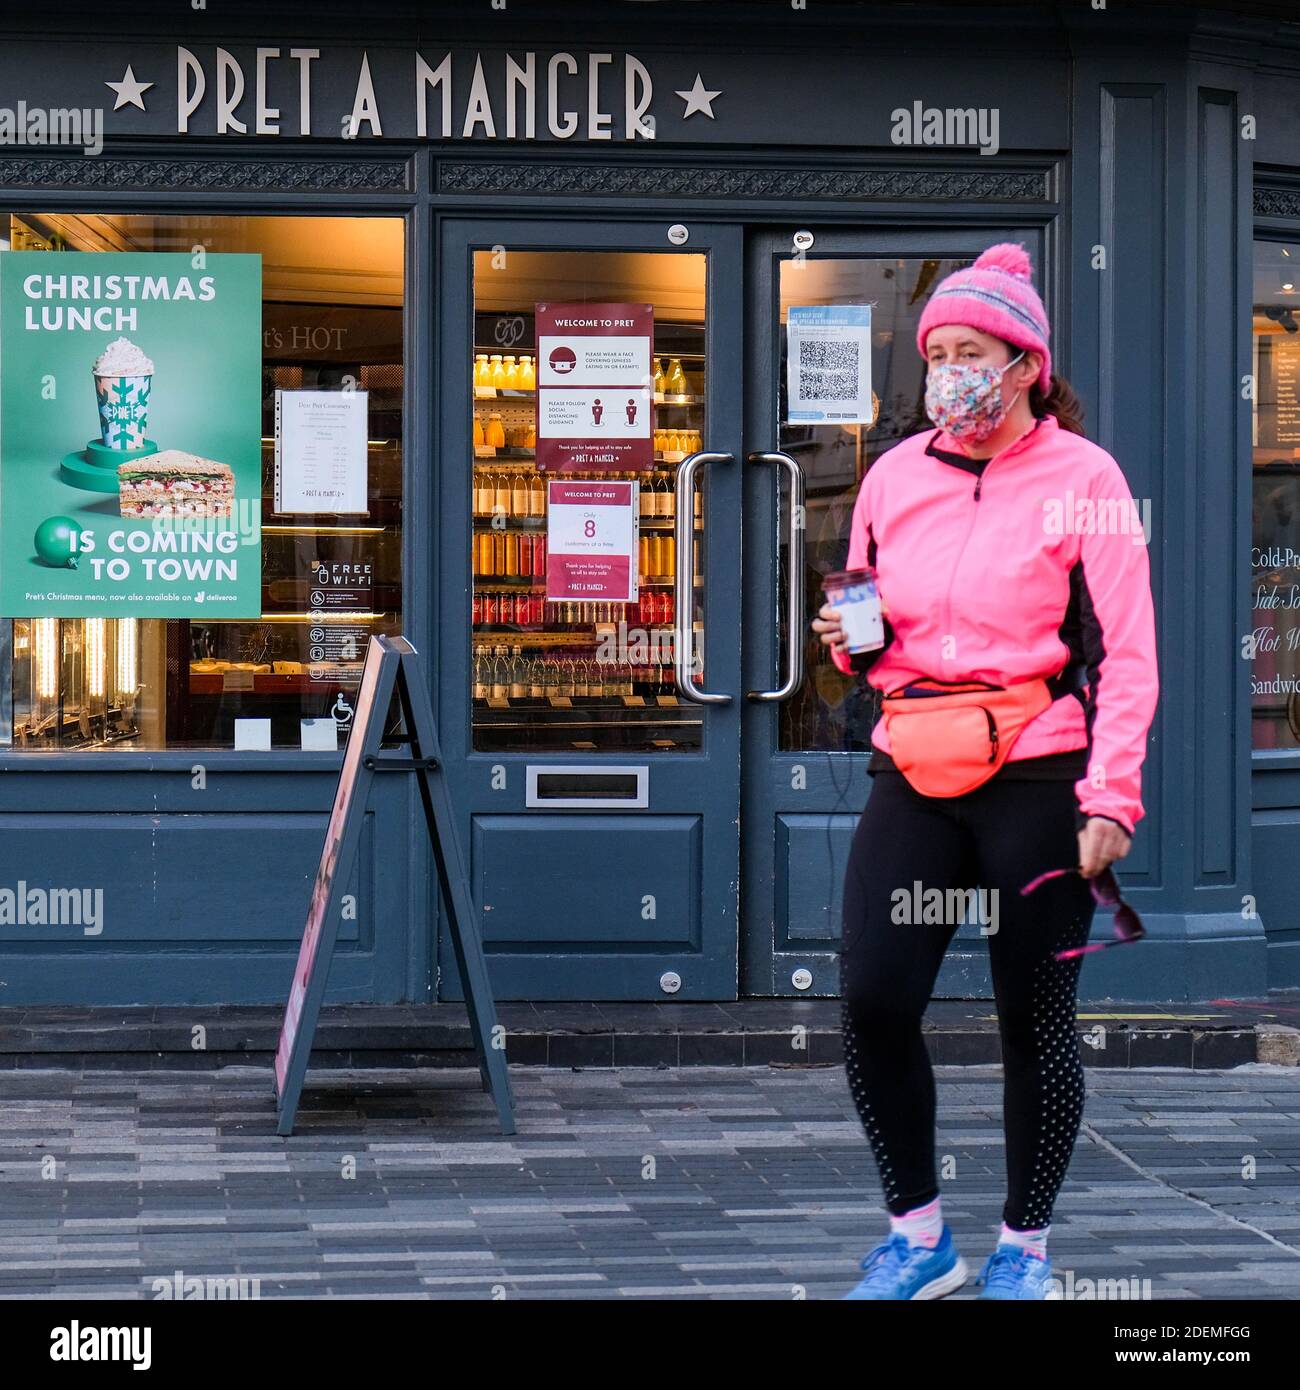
(995, 295)
(1010, 256)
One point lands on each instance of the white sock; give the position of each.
(1033, 1241)
(921, 1226)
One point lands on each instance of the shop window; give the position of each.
(332, 310)
(1274, 647)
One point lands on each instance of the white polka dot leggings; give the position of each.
(997, 837)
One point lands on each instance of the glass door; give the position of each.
(807, 726)
(588, 651)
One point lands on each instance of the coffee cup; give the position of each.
(123, 409)
(856, 597)
(123, 381)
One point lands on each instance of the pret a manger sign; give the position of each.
(595, 402)
(511, 97)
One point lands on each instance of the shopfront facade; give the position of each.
(656, 794)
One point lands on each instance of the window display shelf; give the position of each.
(214, 683)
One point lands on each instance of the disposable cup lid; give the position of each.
(841, 579)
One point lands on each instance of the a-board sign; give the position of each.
(323, 888)
(391, 680)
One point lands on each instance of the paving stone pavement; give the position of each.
(676, 1183)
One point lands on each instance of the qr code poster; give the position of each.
(828, 370)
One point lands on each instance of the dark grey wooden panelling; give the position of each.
(605, 179)
(1216, 728)
(195, 173)
(1128, 288)
(550, 898)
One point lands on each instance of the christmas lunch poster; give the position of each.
(130, 434)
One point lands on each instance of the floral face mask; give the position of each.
(966, 400)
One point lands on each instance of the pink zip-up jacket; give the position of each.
(1039, 563)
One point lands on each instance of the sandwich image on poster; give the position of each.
(130, 434)
(174, 483)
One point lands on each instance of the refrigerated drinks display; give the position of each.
(565, 674)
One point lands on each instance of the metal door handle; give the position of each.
(795, 597)
(684, 580)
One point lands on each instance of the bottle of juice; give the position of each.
(536, 496)
(501, 495)
(660, 379)
(527, 374)
(676, 378)
(510, 373)
(478, 431)
(500, 674)
(482, 371)
(519, 495)
(495, 433)
(498, 372)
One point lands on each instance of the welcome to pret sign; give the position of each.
(595, 407)
(591, 541)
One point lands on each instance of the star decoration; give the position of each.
(129, 91)
(698, 98)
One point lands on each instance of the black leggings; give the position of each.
(997, 837)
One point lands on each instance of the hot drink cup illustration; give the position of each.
(123, 381)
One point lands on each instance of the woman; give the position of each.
(1007, 549)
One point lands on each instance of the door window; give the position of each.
(832, 710)
(550, 668)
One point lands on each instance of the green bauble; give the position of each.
(58, 542)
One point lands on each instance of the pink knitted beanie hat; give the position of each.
(997, 296)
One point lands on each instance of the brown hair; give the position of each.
(1060, 401)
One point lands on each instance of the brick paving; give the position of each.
(679, 1184)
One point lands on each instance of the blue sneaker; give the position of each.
(1012, 1272)
(898, 1269)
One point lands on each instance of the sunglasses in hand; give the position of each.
(1105, 892)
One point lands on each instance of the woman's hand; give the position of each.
(1101, 842)
(828, 626)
